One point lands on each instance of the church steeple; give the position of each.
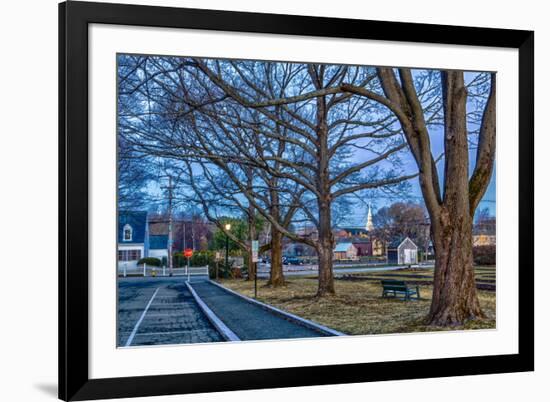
(370, 225)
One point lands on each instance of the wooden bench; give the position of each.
(392, 288)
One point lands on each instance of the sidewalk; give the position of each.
(247, 320)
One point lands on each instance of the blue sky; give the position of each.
(358, 215)
(377, 199)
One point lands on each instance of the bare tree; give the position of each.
(402, 219)
(221, 113)
(452, 201)
(217, 192)
(319, 133)
(451, 208)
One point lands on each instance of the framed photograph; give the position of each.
(258, 201)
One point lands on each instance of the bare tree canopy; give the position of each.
(293, 141)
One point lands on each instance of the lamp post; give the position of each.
(227, 228)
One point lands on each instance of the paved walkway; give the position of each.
(157, 311)
(247, 320)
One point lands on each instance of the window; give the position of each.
(127, 233)
(134, 255)
(129, 255)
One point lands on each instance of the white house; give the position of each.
(133, 237)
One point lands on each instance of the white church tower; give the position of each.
(370, 225)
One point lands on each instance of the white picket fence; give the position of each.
(145, 270)
(192, 271)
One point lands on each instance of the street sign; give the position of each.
(255, 248)
(188, 252)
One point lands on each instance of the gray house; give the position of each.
(402, 252)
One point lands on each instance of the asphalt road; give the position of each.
(312, 270)
(160, 311)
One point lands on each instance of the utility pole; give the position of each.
(184, 234)
(193, 232)
(170, 232)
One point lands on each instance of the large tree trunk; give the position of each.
(454, 298)
(325, 244)
(276, 276)
(251, 231)
(454, 294)
(324, 251)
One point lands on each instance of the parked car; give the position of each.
(292, 261)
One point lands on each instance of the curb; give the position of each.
(225, 332)
(288, 316)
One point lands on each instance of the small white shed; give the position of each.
(402, 252)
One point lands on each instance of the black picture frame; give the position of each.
(74, 381)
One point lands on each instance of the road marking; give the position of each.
(170, 314)
(138, 323)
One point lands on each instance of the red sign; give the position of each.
(188, 252)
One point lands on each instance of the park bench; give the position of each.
(393, 287)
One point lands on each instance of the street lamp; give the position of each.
(227, 228)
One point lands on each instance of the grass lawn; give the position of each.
(485, 276)
(358, 308)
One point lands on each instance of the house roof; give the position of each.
(138, 222)
(397, 242)
(158, 242)
(354, 231)
(342, 247)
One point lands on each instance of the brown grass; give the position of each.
(357, 308)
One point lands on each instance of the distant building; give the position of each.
(369, 226)
(345, 251)
(350, 232)
(362, 237)
(378, 247)
(402, 252)
(484, 232)
(158, 246)
(133, 237)
(484, 240)
(364, 247)
(186, 233)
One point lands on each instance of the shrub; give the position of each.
(485, 255)
(179, 260)
(155, 262)
(202, 258)
(223, 271)
(199, 259)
